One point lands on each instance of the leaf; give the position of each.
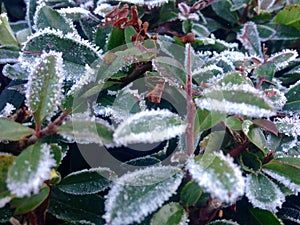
(6, 34)
(116, 38)
(290, 214)
(267, 125)
(15, 72)
(203, 74)
(283, 58)
(137, 194)
(29, 170)
(44, 88)
(249, 37)
(263, 193)
(222, 222)
(129, 32)
(217, 175)
(190, 194)
(149, 127)
(265, 32)
(266, 70)
(27, 204)
(46, 17)
(236, 99)
(290, 16)
(13, 131)
(250, 162)
(8, 54)
(286, 173)
(170, 214)
(265, 216)
(5, 162)
(233, 123)
(87, 130)
(223, 9)
(83, 209)
(149, 3)
(255, 135)
(205, 119)
(293, 99)
(213, 141)
(87, 181)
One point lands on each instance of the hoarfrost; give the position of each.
(223, 221)
(5, 200)
(22, 188)
(226, 191)
(289, 126)
(283, 58)
(153, 186)
(8, 109)
(150, 3)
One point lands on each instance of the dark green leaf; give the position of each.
(84, 209)
(87, 181)
(27, 204)
(116, 38)
(293, 98)
(290, 214)
(250, 161)
(13, 131)
(170, 214)
(190, 194)
(265, 217)
(223, 9)
(205, 119)
(15, 72)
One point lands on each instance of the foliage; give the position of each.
(196, 102)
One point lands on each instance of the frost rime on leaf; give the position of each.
(137, 194)
(149, 3)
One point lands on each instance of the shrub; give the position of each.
(183, 112)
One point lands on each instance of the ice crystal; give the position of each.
(8, 109)
(137, 194)
(103, 8)
(224, 181)
(289, 126)
(149, 3)
(283, 58)
(223, 221)
(34, 178)
(5, 200)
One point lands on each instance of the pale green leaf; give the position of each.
(170, 214)
(137, 194)
(290, 16)
(149, 127)
(7, 36)
(233, 123)
(5, 162)
(218, 175)
(13, 131)
(29, 170)
(8, 54)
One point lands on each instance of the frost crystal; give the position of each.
(227, 222)
(22, 188)
(8, 109)
(212, 180)
(149, 3)
(5, 200)
(282, 59)
(289, 126)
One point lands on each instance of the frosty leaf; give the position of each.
(27, 204)
(86, 181)
(265, 32)
(255, 135)
(29, 170)
(293, 98)
(290, 214)
(213, 141)
(170, 214)
(205, 119)
(233, 123)
(8, 54)
(83, 209)
(249, 37)
(218, 175)
(236, 99)
(285, 173)
(31, 6)
(5, 162)
(282, 59)
(265, 216)
(47, 17)
(149, 3)
(13, 131)
(204, 74)
(290, 16)
(232, 78)
(289, 126)
(87, 130)
(170, 69)
(15, 72)
(190, 194)
(6, 34)
(149, 127)
(263, 193)
(137, 194)
(222, 222)
(266, 70)
(200, 30)
(44, 88)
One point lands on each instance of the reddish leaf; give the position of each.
(267, 125)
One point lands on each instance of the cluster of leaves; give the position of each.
(213, 83)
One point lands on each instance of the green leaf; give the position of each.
(13, 131)
(203, 74)
(265, 32)
(149, 127)
(290, 214)
(137, 194)
(222, 222)
(282, 59)
(129, 32)
(27, 204)
(255, 135)
(83, 209)
(213, 141)
(56, 152)
(236, 99)
(116, 38)
(44, 88)
(284, 172)
(223, 9)
(232, 78)
(290, 16)
(15, 72)
(250, 162)
(217, 175)
(87, 181)
(6, 34)
(190, 194)
(265, 217)
(48, 17)
(233, 123)
(29, 170)
(205, 119)
(249, 37)
(263, 193)
(5, 162)
(87, 130)
(266, 70)
(8, 54)
(170, 214)
(293, 99)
